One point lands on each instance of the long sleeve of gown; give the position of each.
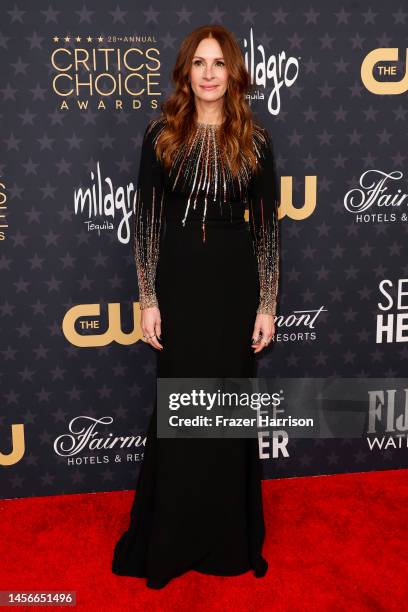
(148, 215)
(263, 204)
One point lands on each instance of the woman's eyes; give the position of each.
(219, 63)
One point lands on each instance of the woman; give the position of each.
(207, 279)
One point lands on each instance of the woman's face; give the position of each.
(208, 74)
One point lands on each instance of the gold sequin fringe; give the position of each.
(146, 244)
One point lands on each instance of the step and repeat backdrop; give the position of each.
(79, 82)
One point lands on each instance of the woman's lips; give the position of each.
(208, 87)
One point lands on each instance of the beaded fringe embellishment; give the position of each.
(199, 168)
(146, 246)
(266, 242)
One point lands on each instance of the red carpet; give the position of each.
(334, 543)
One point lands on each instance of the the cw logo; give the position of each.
(17, 446)
(286, 208)
(93, 337)
(383, 87)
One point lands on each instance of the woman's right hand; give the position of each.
(151, 326)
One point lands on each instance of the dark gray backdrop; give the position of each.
(329, 128)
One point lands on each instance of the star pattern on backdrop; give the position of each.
(329, 126)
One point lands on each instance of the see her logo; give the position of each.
(392, 326)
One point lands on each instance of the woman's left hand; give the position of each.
(264, 330)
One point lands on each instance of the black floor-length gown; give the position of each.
(198, 502)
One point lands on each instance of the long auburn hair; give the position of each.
(235, 134)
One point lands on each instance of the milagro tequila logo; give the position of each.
(84, 444)
(95, 201)
(377, 189)
(269, 72)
